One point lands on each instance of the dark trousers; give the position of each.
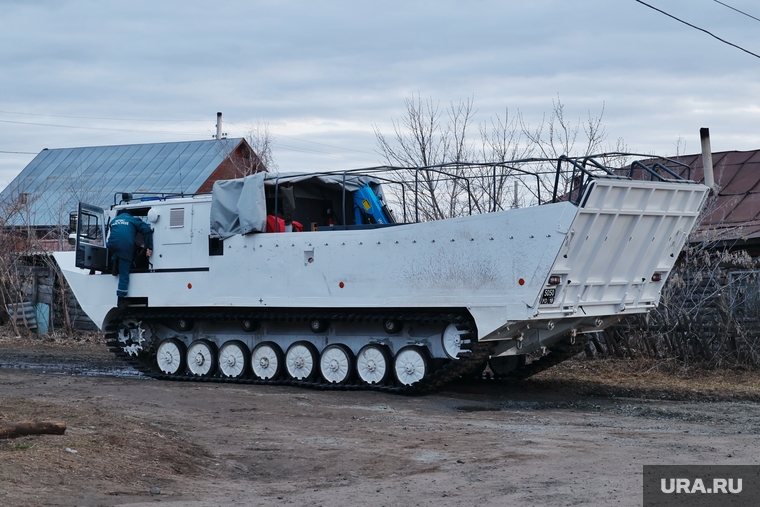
(122, 265)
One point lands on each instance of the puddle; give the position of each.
(79, 370)
(477, 408)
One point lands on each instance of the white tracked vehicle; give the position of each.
(356, 299)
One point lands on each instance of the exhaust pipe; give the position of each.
(707, 163)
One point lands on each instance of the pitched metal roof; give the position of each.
(56, 180)
(734, 214)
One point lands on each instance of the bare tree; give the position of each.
(558, 135)
(31, 225)
(500, 139)
(260, 138)
(470, 178)
(680, 146)
(246, 161)
(16, 240)
(421, 140)
(418, 139)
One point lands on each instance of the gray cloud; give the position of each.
(322, 73)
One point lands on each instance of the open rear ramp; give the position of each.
(622, 245)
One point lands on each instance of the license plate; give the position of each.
(548, 297)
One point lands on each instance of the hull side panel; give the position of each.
(497, 261)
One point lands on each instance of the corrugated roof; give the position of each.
(735, 212)
(56, 180)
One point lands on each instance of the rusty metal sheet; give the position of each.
(717, 211)
(732, 180)
(746, 210)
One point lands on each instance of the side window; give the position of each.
(90, 238)
(91, 230)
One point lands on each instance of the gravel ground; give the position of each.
(576, 435)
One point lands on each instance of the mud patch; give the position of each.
(100, 453)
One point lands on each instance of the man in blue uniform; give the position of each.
(121, 245)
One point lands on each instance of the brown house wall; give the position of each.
(241, 162)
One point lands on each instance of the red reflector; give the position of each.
(657, 277)
(521, 281)
(189, 285)
(554, 280)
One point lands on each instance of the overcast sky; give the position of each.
(322, 73)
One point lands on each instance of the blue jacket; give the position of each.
(121, 240)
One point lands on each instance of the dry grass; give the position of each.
(57, 338)
(665, 379)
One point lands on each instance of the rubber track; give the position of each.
(473, 355)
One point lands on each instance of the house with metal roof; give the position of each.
(49, 188)
(734, 216)
(35, 208)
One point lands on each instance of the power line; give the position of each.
(286, 146)
(700, 29)
(310, 142)
(293, 148)
(737, 10)
(97, 117)
(323, 144)
(323, 153)
(88, 128)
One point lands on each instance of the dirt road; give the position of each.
(538, 443)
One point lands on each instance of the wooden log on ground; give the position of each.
(14, 430)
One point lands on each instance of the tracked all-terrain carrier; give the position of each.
(357, 299)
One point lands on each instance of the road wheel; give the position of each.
(232, 359)
(410, 365)
(201, 358)
(373, 364)
(336, 364)
(266, 361)
(301, 361)
(170, 357)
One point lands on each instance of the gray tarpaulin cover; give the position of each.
(238, 206)
(334, 181)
